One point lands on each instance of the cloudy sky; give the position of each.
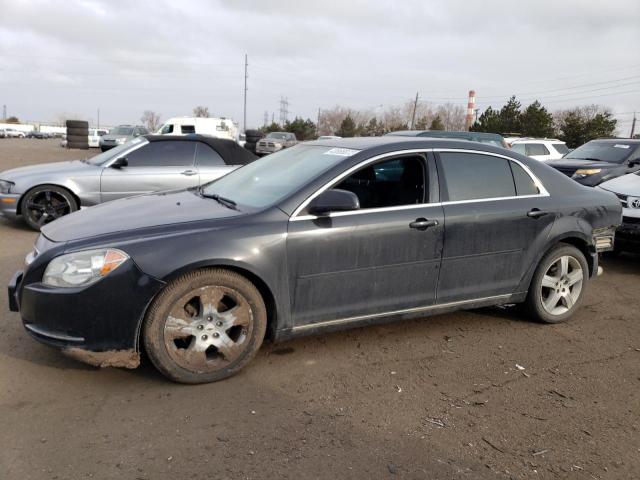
(74, 56)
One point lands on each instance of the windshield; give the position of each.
(610, 152)
(272, 178)
(278, 136)
(104, 157)
(122, 131)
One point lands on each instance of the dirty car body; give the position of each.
(389, 258)
(154, 163)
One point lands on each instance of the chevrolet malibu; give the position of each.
(323, 236)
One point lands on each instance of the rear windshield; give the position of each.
(122, 131)
(611, 152)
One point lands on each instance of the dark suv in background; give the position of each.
(600, 160)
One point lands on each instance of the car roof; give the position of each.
(633, 141)
(534, 140)
(229, 150)
(444, 134)
(391, 142)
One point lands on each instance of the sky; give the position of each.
(70, 58)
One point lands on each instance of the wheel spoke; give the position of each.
(43, 219)
(568, 300)
(238, 315)
(176, 327)
(47, 195)
(564, 265)
(35, 206)
(574, 277)
(226, 347)
(210, 298)
(60, 206)
(194, 355)
(549, 282)
(552, 301)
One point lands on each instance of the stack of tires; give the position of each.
(78, 134)
(252, 137)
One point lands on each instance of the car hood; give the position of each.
(135, 213)
(115, 137)
(625, 185)
(66, 168)
(574, 163)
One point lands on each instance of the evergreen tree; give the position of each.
(347, 127)
(536, 121)
(436, 123)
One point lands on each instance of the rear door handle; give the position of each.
(536, 213)
(189, 173)
(423, 224)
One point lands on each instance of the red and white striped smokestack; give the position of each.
(470, 109)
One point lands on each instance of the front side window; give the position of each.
(163, 154)
(473, 176)
(168, 128)
(389, 183)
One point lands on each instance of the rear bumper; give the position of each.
(9, 204)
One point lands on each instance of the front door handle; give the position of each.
(189, 173)
(423, 224)
(536, 213)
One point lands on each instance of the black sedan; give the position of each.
(600, 160)
(322, 236)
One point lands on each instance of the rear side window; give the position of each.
(207, 156)
(537, 149)
(524, 182)
(472, 176)
(519, 147)
(188, 129)
(561, 148)
(163, 154)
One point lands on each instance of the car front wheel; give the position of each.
(558, 285)
(46, 203)
(205, 326)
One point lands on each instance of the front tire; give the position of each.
(558, 285)
(45, 203)
(205, 326)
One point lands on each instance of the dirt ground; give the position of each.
(472, 395)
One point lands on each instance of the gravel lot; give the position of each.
(479, 394)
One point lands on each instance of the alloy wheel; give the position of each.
(561, 285)
(45, 206)
(208, 328)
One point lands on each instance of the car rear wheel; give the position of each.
(205, 326)
(46, 203)
(558, 285)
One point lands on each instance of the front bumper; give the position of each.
(9, 204)
(267, 149)
(91, 323)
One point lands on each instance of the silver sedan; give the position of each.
(42, 193)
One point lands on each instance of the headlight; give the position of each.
(588, 171)
(5, 186)
(80, 269)
(121, 140)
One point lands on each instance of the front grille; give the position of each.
(262, 144)
(633, 220)
(272, 144)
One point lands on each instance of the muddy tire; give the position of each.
(45, 203)
(77, 124)
(205, 326)
(558, 285)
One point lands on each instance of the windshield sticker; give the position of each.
(619, 145)
(343, 152)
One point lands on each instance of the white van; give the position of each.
(215, 127)
(94, 136)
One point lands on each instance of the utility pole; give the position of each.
(415, 107)
(284, 110)
(318, 123)
(4, 112)
(98, 126)
(476, 112)
(266, 118)
(633, 125)
(244, 120)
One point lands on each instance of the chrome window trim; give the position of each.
(296, 217)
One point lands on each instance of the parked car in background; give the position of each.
(13, 133)
(328, 137)
(216, 127)
(2, 133)
(42, 193)
(37, 134)
(600, 160)
(275, 141)
(542, 149)
(488, 138)
(627, 189)
(308, 240)
(95, 134)
(121, 135)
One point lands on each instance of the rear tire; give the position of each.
(205, 326)
(558, 285)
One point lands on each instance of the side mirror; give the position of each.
(120, 162)
(634, 163)
(334, 201)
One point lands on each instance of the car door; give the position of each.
(497, 217)
(158, 165)
(381, 258)
(210, 164)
